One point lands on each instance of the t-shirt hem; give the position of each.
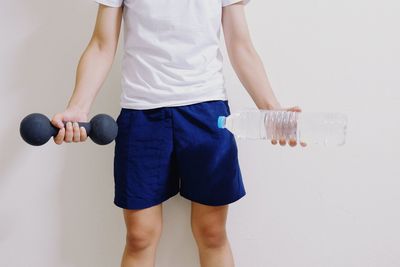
(230, 2)
(109, 3)
(169, 104)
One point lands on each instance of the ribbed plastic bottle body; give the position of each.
(308, 127)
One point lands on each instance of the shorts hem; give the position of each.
(214, 203)
(132, 206)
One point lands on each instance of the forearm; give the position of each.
(92, 70)
(251, 72)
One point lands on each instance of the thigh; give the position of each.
(204, 217)
(143, 221)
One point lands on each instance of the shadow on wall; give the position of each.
(42, 77)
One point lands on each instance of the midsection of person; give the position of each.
(171, 53)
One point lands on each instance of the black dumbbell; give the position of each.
(36, 129)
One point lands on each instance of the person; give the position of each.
(172, 93)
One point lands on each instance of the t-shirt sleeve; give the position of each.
(112, 3)
(230, 2)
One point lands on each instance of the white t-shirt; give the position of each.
(171, 52)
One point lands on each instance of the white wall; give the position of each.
(308, 207)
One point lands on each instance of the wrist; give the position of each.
(81, 109)
(269, 106)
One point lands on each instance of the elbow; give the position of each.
(105, 47)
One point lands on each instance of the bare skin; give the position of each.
(143, 231)
(248, 65)
(208, 223)
(93, 68)
(209, 230)
(144, 226)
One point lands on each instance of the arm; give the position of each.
(244, 58)
(246, 62)
(93, 67)
(97, 59)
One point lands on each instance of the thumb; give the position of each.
(57, 121)
(295, 109)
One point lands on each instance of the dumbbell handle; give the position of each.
(85, 125)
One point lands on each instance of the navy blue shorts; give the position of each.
(168, 150)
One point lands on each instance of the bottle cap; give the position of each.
(221, 122)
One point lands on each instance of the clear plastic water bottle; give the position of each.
(308, 127)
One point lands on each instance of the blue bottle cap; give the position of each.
(221, 122)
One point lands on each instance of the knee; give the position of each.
(209, 235)
(141, 238)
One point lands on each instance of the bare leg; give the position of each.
(143, 230)
(208, 226)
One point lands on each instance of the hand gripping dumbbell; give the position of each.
(36, 129)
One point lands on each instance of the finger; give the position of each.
(292, 142)
(282, 141)
(58, 139)
(295, 108)
(274, 133)
(293, 129)
(76, 132)
(68, 133)
(83, 134)
(57, 121)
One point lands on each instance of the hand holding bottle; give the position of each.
(282, 140)
(287, 125)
